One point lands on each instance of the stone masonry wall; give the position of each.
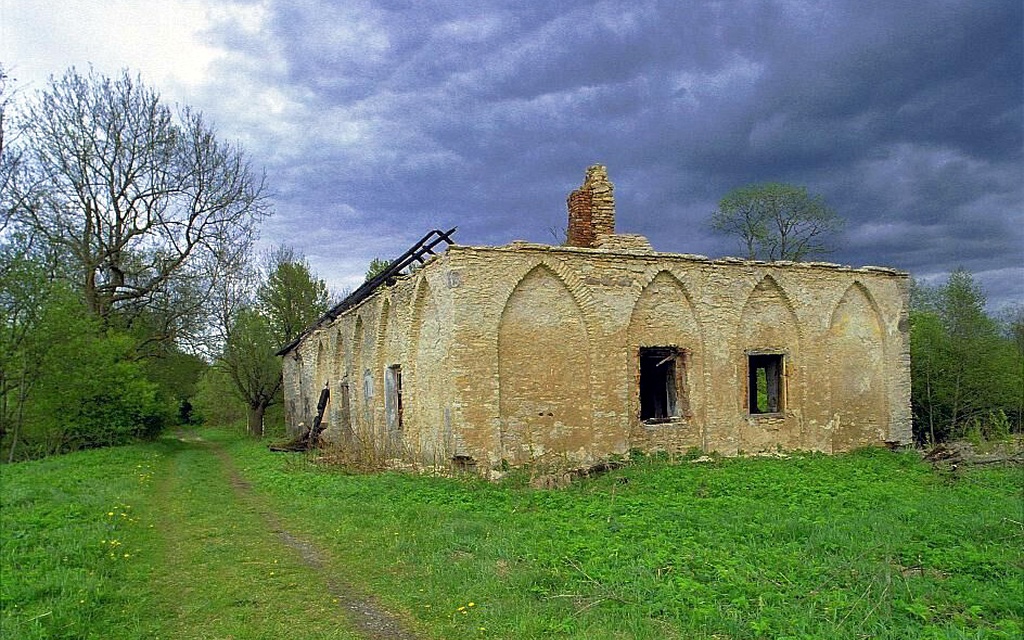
(395, 342)
(529, 352)
(546, 345)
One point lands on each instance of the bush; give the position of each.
(82, 388)
(968, 373)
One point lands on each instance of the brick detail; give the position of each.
(591, 210)
(581, 227)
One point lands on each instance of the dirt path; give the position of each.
(364, 612)
(363, 615)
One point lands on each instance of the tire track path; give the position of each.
(364, 612)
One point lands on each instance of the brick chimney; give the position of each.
(591, 210)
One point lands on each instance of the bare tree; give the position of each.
(147, 209)
(4, 101)
(9, 161)
(777, 221)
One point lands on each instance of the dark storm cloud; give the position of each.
(396, 117)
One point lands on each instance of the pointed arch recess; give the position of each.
(858, 288)
(357, 335)
(427, 373)
(769, 323)
(384, 320)
(422, 303)
(322, 360)
(664, 315)
(340, 352)
(543, 368)
(665, 288)
(769, 319)
(361, 385)
(577, 289)
(856, 342)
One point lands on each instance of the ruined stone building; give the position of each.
(529, 352)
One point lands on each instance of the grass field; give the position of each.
(183, 539)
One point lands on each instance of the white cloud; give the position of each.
(159, 40)
(474, 29)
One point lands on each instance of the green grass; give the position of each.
(148, 541)
(70, 535)
(872, 544)
(222, 573)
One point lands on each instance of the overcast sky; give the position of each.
(378, 121)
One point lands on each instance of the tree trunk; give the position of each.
(254, 420)
(955, 417)
(1020, 405)
(20, 417)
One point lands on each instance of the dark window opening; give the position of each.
(764, 383)
(662, 373)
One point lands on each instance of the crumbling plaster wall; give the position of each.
(544, 359)
(529, 352)
(405, 325)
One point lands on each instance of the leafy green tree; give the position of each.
(176, 375)
(291, 297)
(24, 292)
(250, 362)
(377, 267)
(72, 385)
(216, 399)
(1015, 333)
(928, 351)
(775, 221)
(290, 300)
(966, 373)
(977, 351)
